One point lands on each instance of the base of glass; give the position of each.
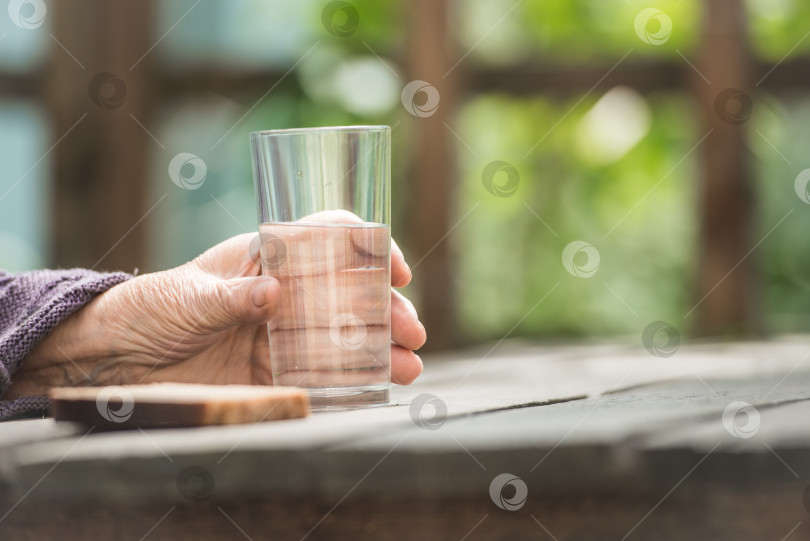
(346, 398)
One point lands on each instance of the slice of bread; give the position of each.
(172, 405)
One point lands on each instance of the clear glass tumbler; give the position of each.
(324, 202)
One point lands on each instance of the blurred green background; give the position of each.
(601, 152)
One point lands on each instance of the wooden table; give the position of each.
(598, 441)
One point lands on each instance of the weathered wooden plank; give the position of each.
(309, 453)
(594, 469)
(621, 496)
(517, 375)
(611, 439)
(678, 413)
(20, 432)
(770, 427)
(691, 512)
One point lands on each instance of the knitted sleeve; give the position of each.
(32, 304)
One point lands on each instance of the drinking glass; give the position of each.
(323, 198)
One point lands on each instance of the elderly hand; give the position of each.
(202, 322)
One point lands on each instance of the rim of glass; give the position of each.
(321, 129)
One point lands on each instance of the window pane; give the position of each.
(779, 28)
(24, 218)
(260, 33)
(23, 37)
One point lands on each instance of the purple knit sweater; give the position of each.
(31, 305)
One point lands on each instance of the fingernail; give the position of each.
(258, 295)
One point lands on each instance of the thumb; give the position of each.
(243, 301)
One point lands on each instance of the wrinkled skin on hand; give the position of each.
(202, 322)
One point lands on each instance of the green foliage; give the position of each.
(569, 31)
(779, 28)
(784, 257)
(509, 259)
